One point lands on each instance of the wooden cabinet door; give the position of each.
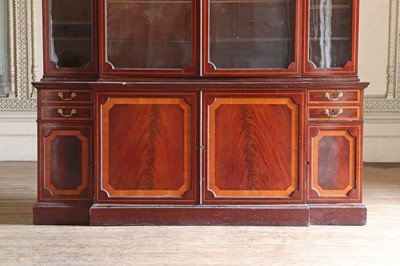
(335, 163)
(146, 147)
(70, 38)
(251, 38)
(149, 38)
(253, 150)
(331, 37)
(65, 168)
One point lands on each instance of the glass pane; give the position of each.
(149, 34)
(71, 33)
(4, 59)
(252, 34)
(330, 35)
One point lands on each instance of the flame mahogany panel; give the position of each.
(146, 146)
(253, 147)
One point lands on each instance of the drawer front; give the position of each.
(66, 113)
(66, 96)
(334, 113)
(333, 96)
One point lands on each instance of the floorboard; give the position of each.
(21, 243)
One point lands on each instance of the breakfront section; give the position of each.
(65, 135)
(334, 133)
(200, 112)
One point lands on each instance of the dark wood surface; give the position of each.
(335, 163)
(252, 147)
(151, 136)
(147, 147)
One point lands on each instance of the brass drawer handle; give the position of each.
(336, 97)
(61, 112)
(334, 113)
(61, 95)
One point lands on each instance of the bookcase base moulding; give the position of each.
(200, 152)
(267, 215)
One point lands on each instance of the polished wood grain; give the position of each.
(252, 146)
(337, 96)
(66, 171)
(57, 113)
(21, 243)
(334, 113)
(146, 147)
(335, 165)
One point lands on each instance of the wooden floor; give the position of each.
(21, 243)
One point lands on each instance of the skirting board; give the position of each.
(18, 137)
(261, 215)
(382, 137)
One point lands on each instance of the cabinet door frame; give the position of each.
(209, 69)
(353, 192)
(48, 192)
(351, 67)
(191, 195)
(265, 196)
(107, 69)
(50, 68)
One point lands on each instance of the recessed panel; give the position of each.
(253, 148)
(335, 165)
(66, 163)
(146, 148)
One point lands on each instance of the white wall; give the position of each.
(18, 136)
(382, 119)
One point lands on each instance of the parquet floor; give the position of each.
(21, 243)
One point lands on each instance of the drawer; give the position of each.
(334, 113)
(333, 96)
(66, 112)
(66, 96)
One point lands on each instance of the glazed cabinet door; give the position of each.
(69, 37)
(335, 163)
(149, 37)
(331, 41)
(253, 147)
(65, 173)
(251, 37)
(146, 147)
